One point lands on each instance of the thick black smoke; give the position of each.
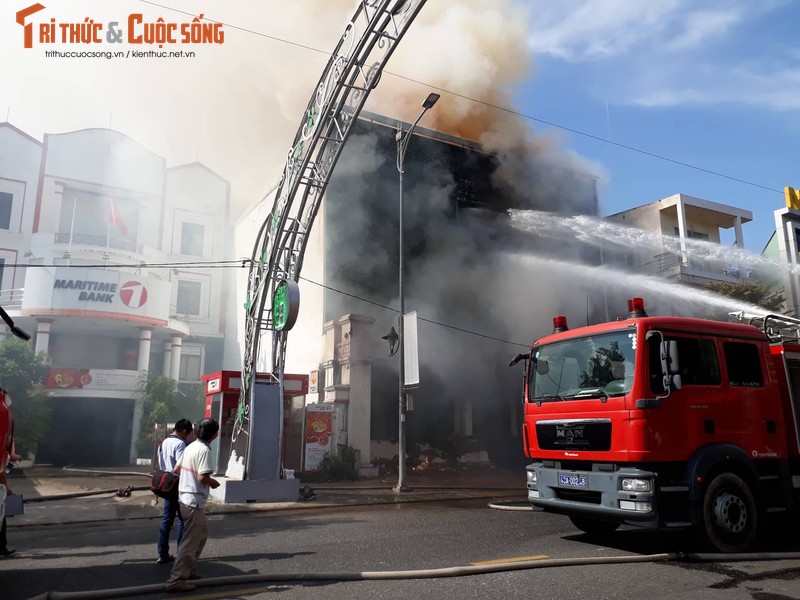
(459, 271)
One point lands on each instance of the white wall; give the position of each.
(20, 157)
(197, 196)
(105, 157)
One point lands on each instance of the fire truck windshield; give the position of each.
(586, 367)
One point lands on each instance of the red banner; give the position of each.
(68, 378)
(319, 427)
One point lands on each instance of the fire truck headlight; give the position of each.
(531, 476)
(636, 506)
(636, 485)
(533, 494)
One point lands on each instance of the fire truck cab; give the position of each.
(665, 422)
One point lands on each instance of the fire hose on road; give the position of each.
(461, 571)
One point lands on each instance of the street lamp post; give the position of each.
(403, 138)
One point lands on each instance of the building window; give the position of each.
(698, 362)
(192, 239)
(6, 202)
(189, 295)
(744, 366)
(190, 367)
(693, 235)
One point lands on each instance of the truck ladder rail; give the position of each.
(775, 327)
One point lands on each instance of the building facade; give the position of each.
(105, 259)
(462, 272)
(784, 248)
(676, 222)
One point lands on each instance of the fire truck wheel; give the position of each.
(593, 527)
(730, 514)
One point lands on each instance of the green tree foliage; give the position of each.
(22, 372)
(340, 466)
(162, 402)
(758, 294)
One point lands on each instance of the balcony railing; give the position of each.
(99, 241)
(11, 299)
(669, 262)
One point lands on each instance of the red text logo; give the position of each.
(133, 294)
(24, 14)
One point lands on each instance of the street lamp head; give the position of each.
(392, 337)
(430, 100)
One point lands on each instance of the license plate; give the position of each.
(572, 481)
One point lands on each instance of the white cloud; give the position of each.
(777, 90)
(669, 52)
(704, 25)
(578, 30)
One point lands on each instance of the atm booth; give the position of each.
(222, 390)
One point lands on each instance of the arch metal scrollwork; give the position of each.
(353, 70)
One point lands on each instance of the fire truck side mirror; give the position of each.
(20, 333)
(671, 364)
(518, 358)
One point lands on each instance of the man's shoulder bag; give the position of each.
(164, 484)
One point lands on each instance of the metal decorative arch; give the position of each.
(353, 70)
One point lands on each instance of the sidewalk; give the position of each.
(41, 486)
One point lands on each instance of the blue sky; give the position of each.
(711, 83)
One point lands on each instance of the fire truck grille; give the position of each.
(572, 435)
(578, 496)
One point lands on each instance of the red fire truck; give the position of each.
(665, 422)
(6, 418)
(6, 424)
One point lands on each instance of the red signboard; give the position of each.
(68, 378)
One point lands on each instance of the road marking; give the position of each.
(217, 595)
(497, 561)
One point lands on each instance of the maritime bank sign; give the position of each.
(96, 293)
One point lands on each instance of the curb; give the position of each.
(248, 508)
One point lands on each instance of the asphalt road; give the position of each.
(392, 537)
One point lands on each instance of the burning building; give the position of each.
(477, 305)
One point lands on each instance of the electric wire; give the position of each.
(494, 106)
(243, 263)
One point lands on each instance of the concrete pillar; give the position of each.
(167, 359)
(43, 335)
(682, 231)
(737, 228)
(468, 417)
(175, 359)
(462, 411)
(145, 337)
(354, 354)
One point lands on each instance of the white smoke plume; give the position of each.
(236, 106)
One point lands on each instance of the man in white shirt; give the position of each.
(194, 486)
(169, 453)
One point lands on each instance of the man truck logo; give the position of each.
(133, 294)
(569, 433)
